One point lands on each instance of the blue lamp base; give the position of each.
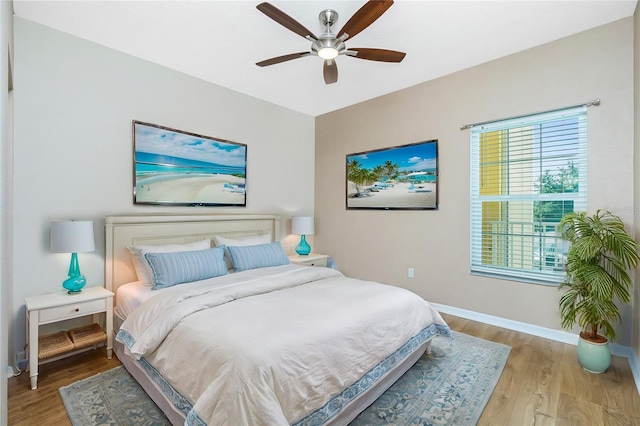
(74, 285)
(76, 281)
(303, 248)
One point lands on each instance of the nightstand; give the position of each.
(312, 259)
(61, 306)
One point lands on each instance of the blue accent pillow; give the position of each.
(258, 256)
(170, 269)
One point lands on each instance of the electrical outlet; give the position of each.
(410, 272)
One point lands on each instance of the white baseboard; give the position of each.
(547, 333)
(628, 353)
(635, 369)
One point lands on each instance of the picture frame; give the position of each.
(179, 168)
(403, 177)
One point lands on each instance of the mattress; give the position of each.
(131, 295)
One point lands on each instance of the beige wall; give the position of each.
(381, 245)
(74, 102)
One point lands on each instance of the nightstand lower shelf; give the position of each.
(66, 341)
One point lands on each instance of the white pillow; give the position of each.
(144, 271)
(253, 240)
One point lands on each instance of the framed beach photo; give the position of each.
(174, 167)
(402, 177)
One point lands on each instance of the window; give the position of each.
(526, 173)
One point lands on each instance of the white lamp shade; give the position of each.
(302, 225)
(72, 236)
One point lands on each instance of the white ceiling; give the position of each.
(220, 41)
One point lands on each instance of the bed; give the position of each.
(258, 343)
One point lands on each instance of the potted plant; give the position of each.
(600, 254)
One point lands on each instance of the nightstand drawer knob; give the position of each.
(77, 309)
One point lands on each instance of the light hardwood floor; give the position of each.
(542, 384)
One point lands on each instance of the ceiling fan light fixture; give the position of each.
(328, 52)
(329, 45)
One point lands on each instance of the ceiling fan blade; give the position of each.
(285, 20)
(381, 55)
(330, 71)
(365, 16)
(282, 58)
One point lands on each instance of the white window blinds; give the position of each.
(526, 173)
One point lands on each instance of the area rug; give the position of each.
(450, 386)
(111, 398)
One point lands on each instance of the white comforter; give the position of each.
(276, 346)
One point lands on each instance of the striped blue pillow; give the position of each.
(170, 269)
(258, 256)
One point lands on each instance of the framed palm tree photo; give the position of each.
(402, 177)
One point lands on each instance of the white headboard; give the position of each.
(123, 231)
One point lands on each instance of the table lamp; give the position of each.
(72, 236)
(302, 225)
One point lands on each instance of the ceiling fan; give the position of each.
(329, 45)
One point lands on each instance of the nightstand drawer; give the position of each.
(74, 310)
(315, 262)
(312, 259)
